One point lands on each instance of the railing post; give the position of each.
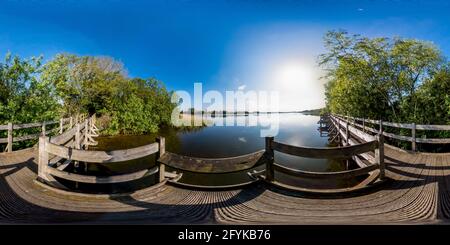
(379, 155)
(71, 122)
(77, 137)
(61, 124)
(10, 137)
(346, 133)
(86, 132)
(162, 150)
(380, 131)
(364, 124)
(43, 158)
(413, 136)
(43, 129)
(270, 174)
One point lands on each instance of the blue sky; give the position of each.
(223, 44)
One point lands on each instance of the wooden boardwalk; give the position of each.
(417, 192)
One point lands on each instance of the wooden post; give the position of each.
(71, 122)
(270, 174)
(61, 124)
(43, 158)
(86, 132)
(162, 150)
(379, 155)
(380, 132)
(10, 137)
(364, 124)
(413, 136)
(77, 137)
(346, 133)
(43, 128)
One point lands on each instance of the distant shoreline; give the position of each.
(314, 112)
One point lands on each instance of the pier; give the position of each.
(399, 186)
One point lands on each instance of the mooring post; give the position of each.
(413, 136)
(270, 174)
(162, 150)
(379, 155)
(43, 158)
(61, 124)
(10, 137)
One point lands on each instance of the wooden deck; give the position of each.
(417, 192)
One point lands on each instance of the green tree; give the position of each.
(377, 78)
(24, 97)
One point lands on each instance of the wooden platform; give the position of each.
(418, 192)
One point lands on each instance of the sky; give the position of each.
(263, 45)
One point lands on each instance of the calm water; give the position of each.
(220, 141)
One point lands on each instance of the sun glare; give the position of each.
(293, 76)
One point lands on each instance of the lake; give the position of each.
(224, 141)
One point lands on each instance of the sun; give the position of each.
(293, 76)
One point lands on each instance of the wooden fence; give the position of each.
(64, 123)
(362, 124)
(55, 153)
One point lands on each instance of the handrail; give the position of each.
(326, 175)
(347, 151)
(101, 156)
(213, 165)
(102, 180)
(10, 127)
(411, 126)
(79, 138)
(324, 152)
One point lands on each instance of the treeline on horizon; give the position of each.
(66, 85)
(393, 79)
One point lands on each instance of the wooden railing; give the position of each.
(58, 152)
(64, 123)
(362, 124)
(344, 152)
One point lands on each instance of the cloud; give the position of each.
(360, 9)
(242, 139)
(242, 87)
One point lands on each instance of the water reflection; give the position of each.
(226, 141)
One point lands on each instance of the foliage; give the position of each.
(23, 96)
(400, 80)
(70, 84)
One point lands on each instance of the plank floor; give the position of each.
(417, 192)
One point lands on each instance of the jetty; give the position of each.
(395, 185)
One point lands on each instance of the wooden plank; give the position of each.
(433, 127)
(102, 180)
(326, 175)
(101, 156)
(398, 125)
(213, 165)
(398, 137)
(433, 140)
(33, 125)
(64, 137)
(325, 152)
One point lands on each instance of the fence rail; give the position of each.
(72, 145)
(361, 123)
(64, 123)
